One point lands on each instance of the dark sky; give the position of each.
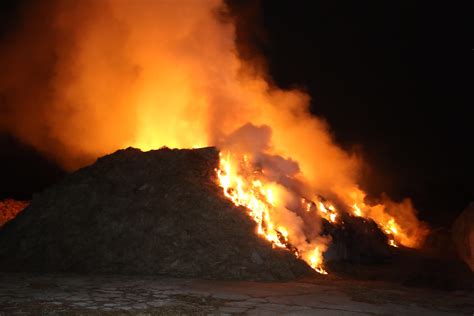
(390, 77)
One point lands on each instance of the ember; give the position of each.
(10, 208)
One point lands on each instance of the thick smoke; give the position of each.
(85, 78)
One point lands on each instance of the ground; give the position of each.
(22, 294)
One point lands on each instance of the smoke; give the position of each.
(86, 78)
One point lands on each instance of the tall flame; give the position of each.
(261, 201)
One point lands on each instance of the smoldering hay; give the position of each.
(86, 78)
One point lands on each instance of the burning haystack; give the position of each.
(168, 212)
(164, 212)
(156, 212)
(279, 163)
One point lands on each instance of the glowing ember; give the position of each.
(9, 209)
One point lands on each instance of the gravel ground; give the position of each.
(26, 294)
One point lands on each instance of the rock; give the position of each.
(463, 235)
(134, 212)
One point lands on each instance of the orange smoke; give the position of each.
(89, 77)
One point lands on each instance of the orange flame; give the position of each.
(328, 212)
(261, 201)
(396, 220)
(248, 188)
(316, 261)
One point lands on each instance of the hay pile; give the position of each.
(134, 212)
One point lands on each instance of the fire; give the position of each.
(357, 211)
(316, 261)
(248, 186)
(328, 212)
(256, 197)
(262, 201)
(396, 220)
(391, 227)
(135, 73)
(392, 243)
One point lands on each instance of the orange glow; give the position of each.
(9, 209)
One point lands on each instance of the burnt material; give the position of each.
(134, 212)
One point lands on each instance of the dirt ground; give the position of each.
(27, 294)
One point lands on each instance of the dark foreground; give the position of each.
(22, 294)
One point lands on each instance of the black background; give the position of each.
(392, 78)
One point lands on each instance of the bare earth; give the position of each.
(22, 294)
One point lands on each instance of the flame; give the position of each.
(250, 188)
(256, 197)
(262, 202)
(396, 220)
(328, 212)
(357, 212)
(316, 261)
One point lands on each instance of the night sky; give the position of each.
(390, 78)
